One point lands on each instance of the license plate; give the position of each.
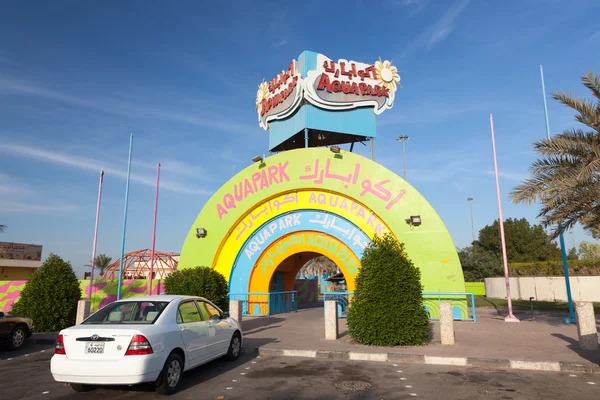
(94, 348)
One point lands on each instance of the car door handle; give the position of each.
(185, 330)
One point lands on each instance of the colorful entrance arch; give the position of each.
(274, 200)
(346, 243)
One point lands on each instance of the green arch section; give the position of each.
(386, 195)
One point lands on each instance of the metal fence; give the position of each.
(267, 303)
(343, 299)
(463, 304)
(272, 303)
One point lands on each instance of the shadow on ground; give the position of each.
(191, 379)
(590, 355)
(260, 324)
(30, 348)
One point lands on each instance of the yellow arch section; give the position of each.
(300, 242)
(333, 202)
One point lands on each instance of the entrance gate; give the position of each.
(267, 303)
(308, 199)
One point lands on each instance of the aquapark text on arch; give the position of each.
(345, 186)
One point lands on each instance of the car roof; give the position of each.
(163, 297)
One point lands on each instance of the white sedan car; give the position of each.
(144, 339)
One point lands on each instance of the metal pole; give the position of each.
(404, 157)
(571, 318)
(372, 149)
(96, 233)
(124, 219)
(470, 200)
(510, 317)
(154, 232)
(403, 138)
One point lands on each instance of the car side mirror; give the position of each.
(1, 314)
(225, 315)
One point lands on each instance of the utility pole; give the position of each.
(403, 138)
(470, 200)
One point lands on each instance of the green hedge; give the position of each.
(50, 297)
(555, 268)
(199, 281)
(387, 307)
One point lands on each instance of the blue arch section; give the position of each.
(294, 221)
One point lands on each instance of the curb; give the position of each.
(555, 366)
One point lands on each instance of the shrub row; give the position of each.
(555, 268)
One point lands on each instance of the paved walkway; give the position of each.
(547, 338)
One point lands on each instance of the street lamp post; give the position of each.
(403, 138)
(470, 200)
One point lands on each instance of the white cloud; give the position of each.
(11, 206)
(280, 43)
(413, 6)
(508, 175)
(445, 25)
(439, 31)
(90, 164)
(130, 109)
(10, 186)
(594, 38)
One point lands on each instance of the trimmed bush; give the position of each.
(50, 297)
(387, 307)
(199, 281)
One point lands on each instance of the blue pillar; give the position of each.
(571, 318)
(306, 137)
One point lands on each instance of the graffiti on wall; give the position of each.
(103, 292)
(10, 291)
(308, 291)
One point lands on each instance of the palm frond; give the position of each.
(565, 179)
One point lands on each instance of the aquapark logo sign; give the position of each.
(340, 85)
(280, 97)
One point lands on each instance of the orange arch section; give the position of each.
(303, 242)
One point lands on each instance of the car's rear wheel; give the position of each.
(170, 376)
(235, 347)
(17, 337)
(80, 388)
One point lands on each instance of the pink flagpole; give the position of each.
(96, 233)
(154, 231)
(510, 317)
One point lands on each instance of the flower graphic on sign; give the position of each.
(388, 75)
(261, 94)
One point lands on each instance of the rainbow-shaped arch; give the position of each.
(312, 201)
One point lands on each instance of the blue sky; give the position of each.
(77, 77)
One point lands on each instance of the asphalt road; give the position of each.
(27, 376)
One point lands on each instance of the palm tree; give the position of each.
(319, 266)
(565, 178)
(102, 262)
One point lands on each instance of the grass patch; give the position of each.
(482, 301)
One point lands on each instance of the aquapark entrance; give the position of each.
(310, 197)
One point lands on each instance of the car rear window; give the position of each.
(128, 312)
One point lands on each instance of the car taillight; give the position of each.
(139, 346)
(59, 346)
